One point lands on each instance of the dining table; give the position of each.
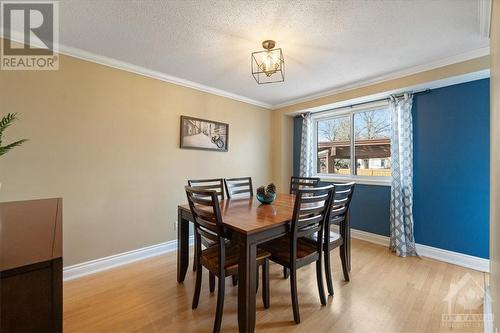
(247, 223)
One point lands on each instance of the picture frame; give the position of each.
(203, 134)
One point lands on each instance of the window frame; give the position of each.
(340, 113)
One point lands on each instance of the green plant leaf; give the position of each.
(4, 124)
(5, 149)
(7, 121)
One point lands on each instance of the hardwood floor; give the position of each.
(386, 294)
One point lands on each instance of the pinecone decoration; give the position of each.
(267, 194)
(261, 191)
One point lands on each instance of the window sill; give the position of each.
(379, 181)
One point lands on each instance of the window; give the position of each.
(355, 144)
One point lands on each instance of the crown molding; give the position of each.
(128, 67)
(392, 76)
(131, 68)
(446, 82)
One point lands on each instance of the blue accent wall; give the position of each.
(451, 172)
(451, 168)
(370, 209)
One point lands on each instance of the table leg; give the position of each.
(182, 246)
(247, 271)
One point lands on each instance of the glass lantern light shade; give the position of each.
(268, 66)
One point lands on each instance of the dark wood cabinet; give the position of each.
(31, 266)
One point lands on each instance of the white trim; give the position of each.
(379, 181)
(98, 265)
(128, 67)
(460, 259)
(101, 264)
(484, 12)
(377, 104)
(481, 52)
(125, 66)
(446, 82)
(131, 68)
(370, 237)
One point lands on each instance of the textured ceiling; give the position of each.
(326, 44)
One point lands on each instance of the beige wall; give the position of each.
(107, 141)
(283, 124)
(495, 163)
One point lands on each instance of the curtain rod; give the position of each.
(417, 92)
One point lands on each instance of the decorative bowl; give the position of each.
(266, 199)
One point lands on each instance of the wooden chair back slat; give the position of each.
(235, 184)
(207, 223)
(339, 212)
(338, 215)
(204, 205)
(239, 192)
(201, 201)
(311, 210)
(297, 183)
(342, 200)
(238, 186)
(312, 200)
(308, 231)
(207, 234)
(216, 184)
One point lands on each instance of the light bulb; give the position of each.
(269, 64)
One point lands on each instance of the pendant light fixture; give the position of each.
(268, 65)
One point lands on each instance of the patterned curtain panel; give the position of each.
(402, 237)
(306, 147)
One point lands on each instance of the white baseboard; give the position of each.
(370, 237)
(94, 266)
(460, 259)
(488, 311)
(101, 264)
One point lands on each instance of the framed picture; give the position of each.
(204, 134)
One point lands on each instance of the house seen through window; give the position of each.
(354, 144)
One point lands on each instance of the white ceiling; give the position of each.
(327, 44)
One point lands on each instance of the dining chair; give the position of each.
(238, 187)
(339, 215)
(295, 184)
(221, 259)
(292, 251)
(215, 184)
(302, 182)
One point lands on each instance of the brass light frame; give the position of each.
(259, 74)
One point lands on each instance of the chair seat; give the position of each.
(279, 249)
(210, 259)
(335, 240)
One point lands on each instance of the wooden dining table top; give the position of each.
(248, 215)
